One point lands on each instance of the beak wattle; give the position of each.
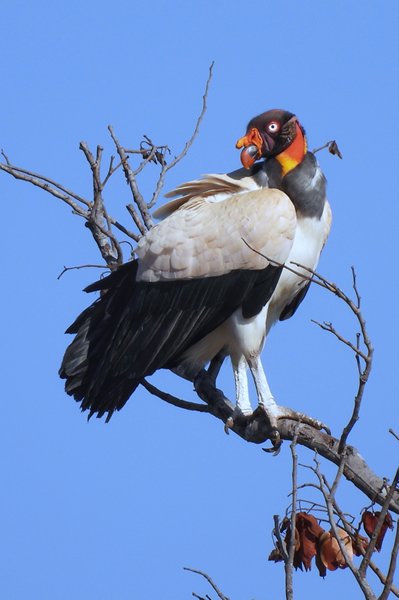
(252, 147)
(249, 155)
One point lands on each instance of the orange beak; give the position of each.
(252, 147)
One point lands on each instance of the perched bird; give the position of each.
(209, 277)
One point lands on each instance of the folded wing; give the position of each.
(193, 271)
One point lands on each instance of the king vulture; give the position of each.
(208, 278)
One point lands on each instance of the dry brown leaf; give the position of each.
(369, 521)
(348, 544)
(275, 555)
(329, 551)
(320, 566)
(333, 149)
(307, 534)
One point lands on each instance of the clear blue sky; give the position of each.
(104, 512)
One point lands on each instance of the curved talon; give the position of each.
(229, 424)
(287, 413)
(275, 450)
(276, 442)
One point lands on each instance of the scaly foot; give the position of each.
(284, 412)
(276, 412)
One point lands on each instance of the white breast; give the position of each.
(310, 237)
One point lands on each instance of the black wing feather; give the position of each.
(292, 307)
(137, 327)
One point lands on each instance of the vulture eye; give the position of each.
(273, 127)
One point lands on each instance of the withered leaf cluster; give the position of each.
(312, 541)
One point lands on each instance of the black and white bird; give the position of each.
(209, 277)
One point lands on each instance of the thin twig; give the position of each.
(111, 170)
(124, 230)
(289, 564)
(364, 374)
(280, 543)
(61, 192)
(209, 580)
(136, 219)
(327, 326)
(65, 269)
(392, 566)
(392, 432)
(384, 509)
(329, 499)
(332, 148)
(26, 175)
(48, 186)
(149, 157)
(131, 179)
(103, 236)
(350, 529)
(188, 144)
(326, 145)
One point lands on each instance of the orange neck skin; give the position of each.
(294, 154)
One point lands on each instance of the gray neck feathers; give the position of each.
(305, 185)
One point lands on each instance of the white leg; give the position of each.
(265, 396)
(243, 404)
(268, 403)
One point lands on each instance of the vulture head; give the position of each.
(271, 134)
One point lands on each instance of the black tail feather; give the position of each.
(85, 361)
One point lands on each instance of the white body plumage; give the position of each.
(277, 233)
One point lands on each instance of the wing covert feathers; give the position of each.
(219, 185)
(205, 239)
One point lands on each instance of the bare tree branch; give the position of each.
(364, 373)
(329, 496)
(256, 427)
(95, 215)
(281, 545)
(335, 515)
(50, 186)
(188, 144)
(30, 176)
(392, 567)
(210, 581)
(289, 563)
(98, 221)
(349, 528)
(326, 326)
(392, 432)
(131, 179)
